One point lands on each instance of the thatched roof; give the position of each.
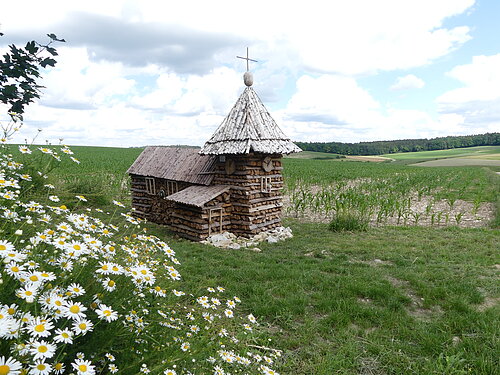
(198, 195)
(175, 163)
(248, 128)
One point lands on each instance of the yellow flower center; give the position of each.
(143, 272)
(82, 326)
(42, 349)
(4, 369)
(11, 311)
(74, 309)
(65, 335)
(40, 328)
(111, 283)
(107, 312)
(3, 247)
(105, 267)
(15, 269)
(77, 247)
(41, 366)
(29, 293)
(34, 278)
(58, 303)
(111, 249)
(82, 368)
(58, 366)
(115, 268)
(50, 231)
(44, 274)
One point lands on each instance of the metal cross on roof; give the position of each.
(247, 59)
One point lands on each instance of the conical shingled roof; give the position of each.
(248, 128)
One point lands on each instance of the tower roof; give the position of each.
(248, 128)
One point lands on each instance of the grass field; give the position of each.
(485, 152)
(392, 300)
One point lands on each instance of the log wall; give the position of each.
(254, 210)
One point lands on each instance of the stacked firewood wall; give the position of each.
(153, 207)
(254, 210)
(161, 209)
(141, 200)
(194, 222)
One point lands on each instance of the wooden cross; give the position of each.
(246, 58)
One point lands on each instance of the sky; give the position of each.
(136, 73)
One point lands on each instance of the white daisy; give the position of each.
(82, 326)
(74, 310)
(40, 368)
(42, 349)
(40, 327)
(10, 366)
(63, 335)
(83, 367)
(106, 313)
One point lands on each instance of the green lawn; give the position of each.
(482, 151)
(388, 301)
(407, 300)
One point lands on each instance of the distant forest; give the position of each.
(405, 145)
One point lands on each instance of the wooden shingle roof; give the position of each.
(248, 128)
(198, 195)
(175, 163)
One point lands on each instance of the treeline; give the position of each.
(405, 145)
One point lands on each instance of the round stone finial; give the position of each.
(248, 79)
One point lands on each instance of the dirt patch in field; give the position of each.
(370, 366)
(373, 159)
(374, 262)
(423, 211)
(416, 309)
(458, 162)
(488, 303)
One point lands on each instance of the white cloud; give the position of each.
(408, 82)
(478, 100)
(157, 73)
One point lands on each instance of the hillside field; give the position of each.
(399, 298)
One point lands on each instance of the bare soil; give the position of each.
(425, 211)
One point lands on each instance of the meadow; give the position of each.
(395, 299)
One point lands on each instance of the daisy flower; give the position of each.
(76, 289)
(40, 368)
(5, 247)
(74, 310)
(10, 366)
(185, 346)
(229, 313)
(59, 368)
(42, 349)
(63, 335)
(119, 204)
(106, 313)
(178, 293)
(82, 326)
(24, 149)
(109, 284)
(40, 327)
(252, 318)
(112, 368)
(54, 198)
(83, 367)
(81, 198)
(169, 372)
(28, 293)
(110, 357)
